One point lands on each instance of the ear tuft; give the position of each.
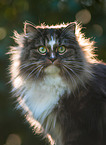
(70, 27)
(29, 28)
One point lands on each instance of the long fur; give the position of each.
(40, 98)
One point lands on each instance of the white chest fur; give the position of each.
(41, 97)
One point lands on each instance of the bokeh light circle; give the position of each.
(3, 33)
(98, 30)
(83, 16)
(13, 139)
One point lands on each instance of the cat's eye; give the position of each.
(61, 49)
(42, 49)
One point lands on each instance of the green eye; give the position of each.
(61, 49)
(42, 49)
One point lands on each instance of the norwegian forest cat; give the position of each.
(59, 85)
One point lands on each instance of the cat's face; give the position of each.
(51, 51)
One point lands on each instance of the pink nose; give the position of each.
(52, 59)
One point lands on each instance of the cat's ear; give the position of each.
(69, 28)
(29, 28)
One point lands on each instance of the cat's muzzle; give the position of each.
(52, 69)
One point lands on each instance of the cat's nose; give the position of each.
(52, 59)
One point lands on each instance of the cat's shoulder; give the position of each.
(99, 78)
(99, 70)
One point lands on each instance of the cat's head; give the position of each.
(50, 50)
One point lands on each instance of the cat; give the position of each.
(59, 84)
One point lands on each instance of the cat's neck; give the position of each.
(45, 93)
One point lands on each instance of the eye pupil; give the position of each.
(61, 48)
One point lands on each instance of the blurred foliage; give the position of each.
(92, 14)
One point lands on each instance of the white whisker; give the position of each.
(74, 74)
(69, 74)
(27, 65)
(72, 62)
(29, 69)
(39, 71)
(71, 77)
(29, 75)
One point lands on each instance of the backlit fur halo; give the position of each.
(17, 81)
(85, 43)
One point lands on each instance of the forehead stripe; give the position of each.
(52, 42)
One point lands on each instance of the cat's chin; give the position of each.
(52, 69)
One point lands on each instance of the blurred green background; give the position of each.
(14, 130)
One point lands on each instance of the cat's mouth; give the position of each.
(52, 69)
